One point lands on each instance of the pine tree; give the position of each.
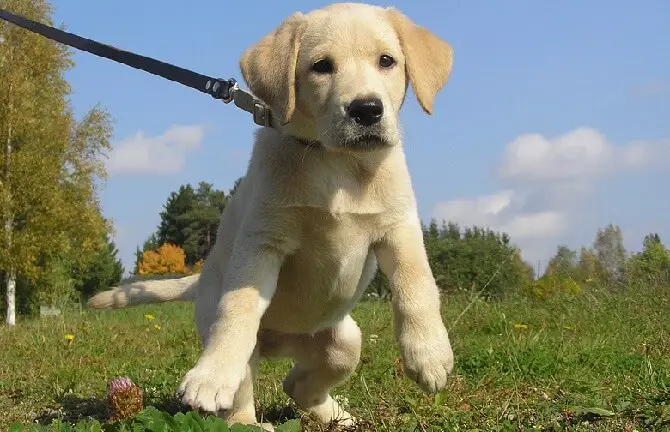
(104, 271)
(190, 220)
(203, 221)
(173, 223)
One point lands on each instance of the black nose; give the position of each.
(366, 111)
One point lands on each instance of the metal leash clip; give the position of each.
(228, 91)
(243, 99)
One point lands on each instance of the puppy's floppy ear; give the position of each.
(428, 59)
(269, 66)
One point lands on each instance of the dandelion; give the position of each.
(157, 326)
(124, 397)
(69, 338)
(149, 317)
(520, 326)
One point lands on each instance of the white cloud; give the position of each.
(162, 154)
(540, 225)
(483, 211)
(583, 154)
(644, 154)
(503, 211)
(546, 182)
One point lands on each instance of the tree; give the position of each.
(190, 220)
(589, 268)
(611, 254)
(652, 265)
(51, 163)
(150, 244)
(202, 221)
(173, 224)
(104, 271)
(168, 259)
(474, 258)
(468, 259)
(563, 264)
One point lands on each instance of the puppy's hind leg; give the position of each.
(323, 361)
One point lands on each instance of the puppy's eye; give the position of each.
(323, 66)
(386, 61)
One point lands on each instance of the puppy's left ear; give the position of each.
(428, 59)
(269, 67)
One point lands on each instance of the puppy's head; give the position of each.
(339, 75)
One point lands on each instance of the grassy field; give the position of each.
(592, 362)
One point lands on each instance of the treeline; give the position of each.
(606, 265)
(186, 233)
(463, 259)
(54, 242)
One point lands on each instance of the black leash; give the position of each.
(226, 90)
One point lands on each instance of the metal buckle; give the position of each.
(261, 115)
(245, 100)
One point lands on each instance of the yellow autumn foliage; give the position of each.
(168, 259)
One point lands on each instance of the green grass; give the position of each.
(593, 362)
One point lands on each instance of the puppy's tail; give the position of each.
(153, 291)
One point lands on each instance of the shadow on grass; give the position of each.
(73, 409)
(277, 414)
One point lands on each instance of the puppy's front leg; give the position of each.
(424, 343)
(249, 284)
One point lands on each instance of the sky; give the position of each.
(555, 121)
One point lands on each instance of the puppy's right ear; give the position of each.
(269, 67)
(428, 59)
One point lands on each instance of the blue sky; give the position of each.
(556, 119)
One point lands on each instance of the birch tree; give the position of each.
(52, 165)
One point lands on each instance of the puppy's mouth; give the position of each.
(365, 142)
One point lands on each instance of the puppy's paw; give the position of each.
(427, 358)
(209, 388)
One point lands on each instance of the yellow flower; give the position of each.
(69, 337)
(520, 326)
(149, 317)
(158, 326)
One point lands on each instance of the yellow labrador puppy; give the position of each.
(327, 196)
